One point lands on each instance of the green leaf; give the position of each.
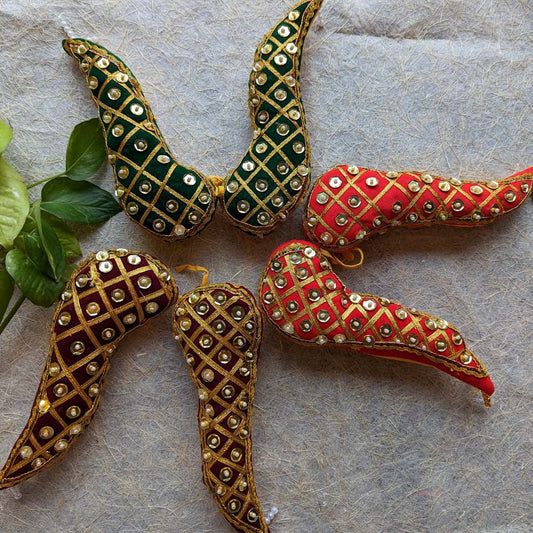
(36, 286)
(68, 272)
(66, 237)
(86, 150)
(78, 201)
(52, 247)
(14, 203)
(6, 291)
(6, 134)
(33, 248)
(29, 227)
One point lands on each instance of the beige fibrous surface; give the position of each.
(342, 442)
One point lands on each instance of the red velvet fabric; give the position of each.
(414, 336)
(392, 199)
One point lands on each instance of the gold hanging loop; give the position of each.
(345, 259)
(218, 184)
(194, 268)
(486, 399)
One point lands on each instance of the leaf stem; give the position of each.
(44, 180)
(11, 313)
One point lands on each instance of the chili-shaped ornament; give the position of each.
(174, 201)
(219, 328)
(110, 294)
(349, 204)
(307, 302)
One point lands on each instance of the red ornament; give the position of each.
(349, 204)
(307, 302)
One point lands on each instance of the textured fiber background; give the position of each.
(342, 442)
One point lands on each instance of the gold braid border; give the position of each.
(43, 405)
(190, 329)
(350, 343)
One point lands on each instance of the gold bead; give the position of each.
(46, 432)
(60, 390)
(73, 412)
(54, 369)
(26, 452)
(61, 445)
(44, 405)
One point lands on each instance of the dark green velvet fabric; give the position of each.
(143, 166)
(279, 147)
(276, 68)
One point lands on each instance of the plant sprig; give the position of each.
(37, 244)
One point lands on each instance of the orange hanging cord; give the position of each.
(341, 257)
(218, 184)
(194, 268)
